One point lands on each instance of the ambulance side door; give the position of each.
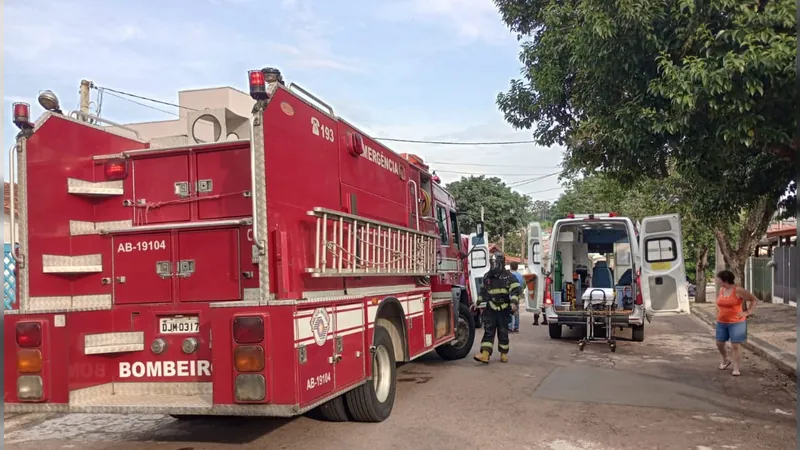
(663, 274)
(533, 301)
(478, 260)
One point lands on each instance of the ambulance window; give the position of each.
(660, 250)
(441, 217)
(454, 228)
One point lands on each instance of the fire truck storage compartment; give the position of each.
(225, 175)
(159, 185)
(141, 265)
(198, 265)
(209, 265)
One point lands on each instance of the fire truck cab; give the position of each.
(286, 269)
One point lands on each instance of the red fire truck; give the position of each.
(283, 270)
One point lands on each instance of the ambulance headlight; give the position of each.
(158, 346)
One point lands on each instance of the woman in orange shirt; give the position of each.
(732, 315)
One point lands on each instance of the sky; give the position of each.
(408, 69)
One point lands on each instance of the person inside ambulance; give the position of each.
(501, 291)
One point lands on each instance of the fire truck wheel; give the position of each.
(465, 336)
(330, 411)
(373, 401)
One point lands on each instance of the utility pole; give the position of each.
(86, 85)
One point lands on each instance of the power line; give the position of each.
(417, 141)
(142, 104)
(141, 97)
(533, 180)
(490, 165)
(489, 174)
(543, 190)
(408, 141)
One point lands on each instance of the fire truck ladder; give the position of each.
(349, 245)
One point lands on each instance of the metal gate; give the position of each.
(9, 279)
(787, 266)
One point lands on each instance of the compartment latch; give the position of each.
(164, 269)
(204, 186)
(185, 268)
(182, 189)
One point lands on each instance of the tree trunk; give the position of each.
(756, 220)
(700, 274)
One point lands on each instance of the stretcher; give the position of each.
(599, 305)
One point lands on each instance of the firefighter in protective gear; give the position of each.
(500, 290)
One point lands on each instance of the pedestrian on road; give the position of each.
(513, 321)
(732, 312)
(500, 290)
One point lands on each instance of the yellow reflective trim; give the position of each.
(497, 291)
(514, 285)
(504, 347)
(515, 298)
(486, 344)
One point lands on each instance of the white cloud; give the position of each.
(471, 19)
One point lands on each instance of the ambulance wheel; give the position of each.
(373, 401)
(637, 333)
(465, 336)
(331, 411)
(555, 331)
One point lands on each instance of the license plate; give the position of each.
(179, 325)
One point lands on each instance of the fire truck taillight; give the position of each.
(22, 115)
(249, 358)
(29, 360)
(258, 86)
(29, 334)
(248, 330)
(116, 169)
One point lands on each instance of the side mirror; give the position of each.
(479, 229)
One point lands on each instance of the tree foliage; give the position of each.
(631, 87)
(505, 210)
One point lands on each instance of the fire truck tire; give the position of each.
(465, 336)
(555, 331)
(331, 411)
(374, 400)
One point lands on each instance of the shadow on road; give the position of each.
(212, 430)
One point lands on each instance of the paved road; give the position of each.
(665, 393)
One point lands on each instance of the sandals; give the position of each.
(736, 373)
(725, 365)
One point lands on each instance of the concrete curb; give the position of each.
(785, 362)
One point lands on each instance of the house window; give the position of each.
(660, 250)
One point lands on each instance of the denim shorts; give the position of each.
(734, 332)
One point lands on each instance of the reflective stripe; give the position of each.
(501, 346)
(498, 307)
(498, 291)
(486, 345)
(514, 285)
(515, 298)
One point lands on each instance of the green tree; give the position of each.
(541, 210)
(505, 210)
(640, 88)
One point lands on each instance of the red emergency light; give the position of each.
(116, 169)
(248, 330)
(29, 334)
(258, 85)
(571, 216)
(355, 144)
(22, 115)
(612, 214)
